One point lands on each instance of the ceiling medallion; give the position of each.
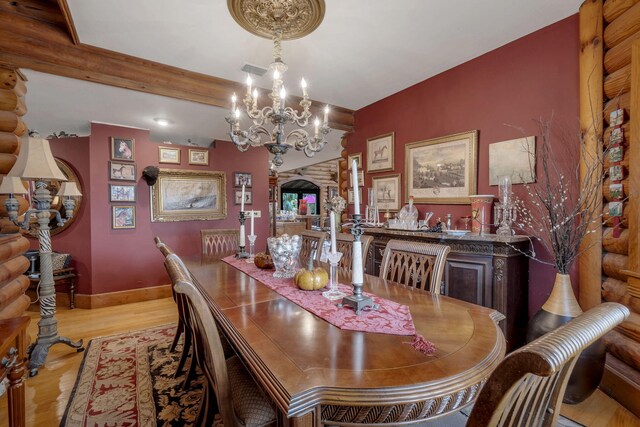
(296, 18)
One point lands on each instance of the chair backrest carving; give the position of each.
(219, 243)
(208, 342)
(311, 244)
(415, 264)
(344, 244)
(527, 388)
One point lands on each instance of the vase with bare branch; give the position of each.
(558, 212)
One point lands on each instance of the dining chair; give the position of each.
(219, 243)
(344, 244)
(527, 388)
(184, 327)
(416, 264)
(229, 386)
(312, 244)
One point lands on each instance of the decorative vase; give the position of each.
(481, 213)
(560, 308)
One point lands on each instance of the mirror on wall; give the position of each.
(56, 203)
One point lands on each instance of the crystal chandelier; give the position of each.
(281, 14)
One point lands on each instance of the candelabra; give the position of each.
(504, 212)
(357, 301)
(36, 163)
(241, 253)
(277, 141)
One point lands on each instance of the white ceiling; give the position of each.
(363, 51)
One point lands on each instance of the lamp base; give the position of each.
(358, 303)
(38, 351)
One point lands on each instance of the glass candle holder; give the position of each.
(252, 242)
(333, 293)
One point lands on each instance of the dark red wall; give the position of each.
(533, 77)
(116, 260)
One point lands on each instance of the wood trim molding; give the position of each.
(633, 204)
(68, 19)
(29, 43)
(591, 104)
(122, 297)
(621, 382)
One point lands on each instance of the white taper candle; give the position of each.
(251, 222)
(356, 196)
(242, 200)
(332, 220)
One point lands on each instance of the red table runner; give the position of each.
(390, 318)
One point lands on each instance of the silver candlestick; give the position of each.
(241, 253)
(357, 301)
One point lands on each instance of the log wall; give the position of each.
(616, 57)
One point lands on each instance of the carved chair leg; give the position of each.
(176, 338)
(186, 347)
(208, 407)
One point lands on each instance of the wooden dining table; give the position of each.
(318, 374)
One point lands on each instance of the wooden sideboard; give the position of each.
(485, 270)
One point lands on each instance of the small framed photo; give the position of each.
(357, 157)
(122, 193)
(350, 196)
(237, 197)
(616, 173)
(616, 136)
(360, 178)
(616, 191)
(123, 149)
(123, 217)
(616, 154)
(122, 171)
(380, 153)
(242, 178)
(616, 118)
(615, 209)
(169, 155)
(198, 157)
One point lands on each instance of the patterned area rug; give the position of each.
(127, 380)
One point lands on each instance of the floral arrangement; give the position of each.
(336, 204)
(561, 209)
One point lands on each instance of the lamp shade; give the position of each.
(69, 188)
(35, 161)
(12, 185)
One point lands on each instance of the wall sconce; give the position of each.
(36, 163)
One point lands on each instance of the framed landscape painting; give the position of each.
(185, 195)
(198, 157)
(169, 155)
(380, 153)
(387, 191)
(515, 158)
(442, 170)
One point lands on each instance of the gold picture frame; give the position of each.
(388, 191)
(123, 149)
(380, 153)
(185, 195)
(198, 157)
(169, 155)
(442, 170)
(357, 157)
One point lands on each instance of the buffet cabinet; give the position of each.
(486, 270)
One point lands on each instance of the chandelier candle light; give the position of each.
(36, 163)
(277, 141)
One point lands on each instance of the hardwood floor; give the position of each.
(48, 392)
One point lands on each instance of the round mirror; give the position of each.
(56, 203)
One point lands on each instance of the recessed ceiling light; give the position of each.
(162, 122)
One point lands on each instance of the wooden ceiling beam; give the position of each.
(32, 44)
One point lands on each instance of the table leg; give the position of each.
(16, 395)
(310, 419)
